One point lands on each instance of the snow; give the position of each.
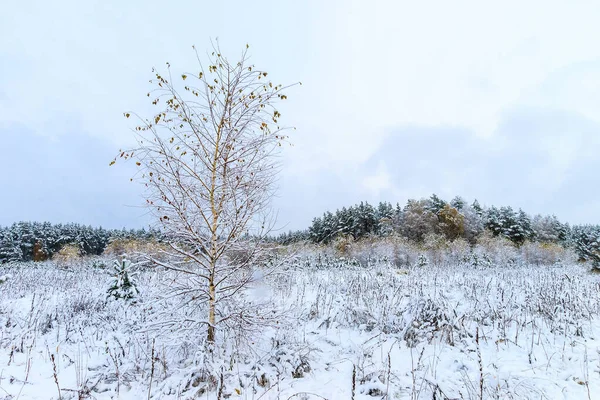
(515, 331)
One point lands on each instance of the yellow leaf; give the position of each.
(112, 163)
(126, 115)
(183, 76)
(238, 391)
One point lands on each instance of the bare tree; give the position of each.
(208, 161)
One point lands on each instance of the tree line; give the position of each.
(39, 241)
(453, 220)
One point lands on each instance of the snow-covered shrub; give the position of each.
(123, 285)
(546, 253)
(134, 249)
(343, 244)
(436, 248)
(498, 249)
(394, 249)
(477, 259)
(404, 252)
(68, 254)
(288, 358)
(424, 319)
(98, 263)
(365, 250)
(458, 250)
(250, 255)
(201, 382)
(422, 261)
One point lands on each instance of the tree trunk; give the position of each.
(211, 310)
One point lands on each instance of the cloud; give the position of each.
(65, 179)
(542, 160)
(379, 181)
(366, 66)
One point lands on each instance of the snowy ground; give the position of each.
(464, 331)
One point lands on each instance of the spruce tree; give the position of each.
(477, 207)
(315, 231)
(492, 221)
(586, 241)
(458, 203)
(10, 249)
(524, 230)
(435, 204)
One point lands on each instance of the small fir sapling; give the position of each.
(123, 284)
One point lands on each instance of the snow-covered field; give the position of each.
(347, 331)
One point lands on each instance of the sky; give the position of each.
(495, 101)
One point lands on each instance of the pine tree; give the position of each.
(346, 223)
(397, 218)
(435, 204)
(329, 229)
(384, 219)
(26, 239)
(564, 233)
(492, 221)
(586, 241)
(315, 231)
(10, 250)
(368, 219)
(510, 225)
(477, 207)
(524, 230)
(458, 203)
(123, 286)
(547, 229)
(362, 222)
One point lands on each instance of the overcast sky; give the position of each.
(400, 99)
